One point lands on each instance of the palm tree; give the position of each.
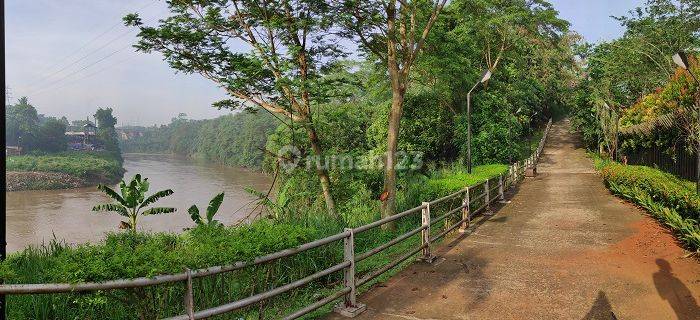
(132, 200)
(212, 209)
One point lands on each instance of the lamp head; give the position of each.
(681, 59)
(486, 76)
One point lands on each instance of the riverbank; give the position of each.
(61, 171)
(146, 254)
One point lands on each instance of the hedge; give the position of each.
(671, 200)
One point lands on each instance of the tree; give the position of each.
(212, 209)
(640, 61)
(132, 200)
(51, 136)
(394, 32)
(21, 123)
(106, 132)
(287, 47)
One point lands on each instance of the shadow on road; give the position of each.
(673, 290)
(601, 309)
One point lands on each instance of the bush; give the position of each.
(664, 188)
(673, 201)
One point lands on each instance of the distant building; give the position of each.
(129, 133)
(83, 140)
(13, 151)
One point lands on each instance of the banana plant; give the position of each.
(132, 200)
(279, 205)
(212, 209)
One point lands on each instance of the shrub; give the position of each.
(664, 188)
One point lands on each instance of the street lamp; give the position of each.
(510, 136)
(529, 134)
(681, 59)
(485, 77)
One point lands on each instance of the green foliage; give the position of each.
(673, 201)
(235, 140)
(426, 126)
(31, 131)
(106, 134)
(92, 166)
(132, 199)
(627, 72)
(212, 209)
(52, 136)
(663, 188)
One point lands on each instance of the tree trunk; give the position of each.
(320, 170)
(389, 203)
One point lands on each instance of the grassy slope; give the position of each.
(92, 167)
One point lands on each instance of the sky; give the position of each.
(70, 57)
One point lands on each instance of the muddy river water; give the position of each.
(37, 216)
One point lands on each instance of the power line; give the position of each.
(121, 35)
(81, 69)
(89, 42)
(52, 83)
(86, 76)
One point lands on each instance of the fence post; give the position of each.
(349, 307)
(465, 213)
(488, 198)
(189, 297)
(501, 194)
(425, 234)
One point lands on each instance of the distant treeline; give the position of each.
(236, 140)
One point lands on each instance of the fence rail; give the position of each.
(489, 191)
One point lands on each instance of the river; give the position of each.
(37, 216)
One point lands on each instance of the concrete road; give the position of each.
(563, 248)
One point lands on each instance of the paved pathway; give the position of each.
(564, 248)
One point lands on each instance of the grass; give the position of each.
(129, 255)
(91, 166)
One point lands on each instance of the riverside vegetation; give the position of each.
(309, 97)
(45, 163)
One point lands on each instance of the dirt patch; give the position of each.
(19, 180)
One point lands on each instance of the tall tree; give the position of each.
(280, 70)
(394, 32)
(21, 124)
(106, 132)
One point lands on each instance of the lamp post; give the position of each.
(510, 136)
(529, 133)
(681, 59)
(485, 77)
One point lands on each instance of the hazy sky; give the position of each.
(72, 56)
